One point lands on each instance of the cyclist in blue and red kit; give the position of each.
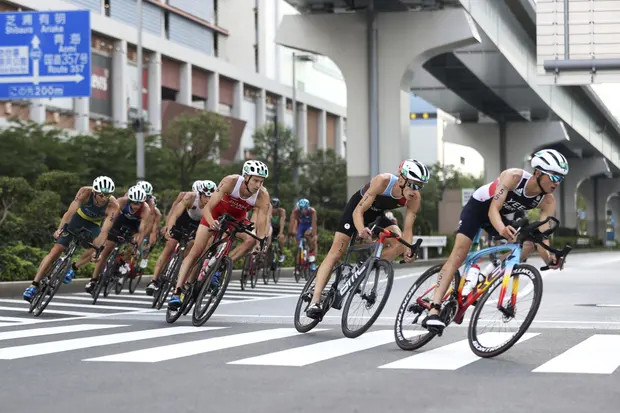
(303, 223)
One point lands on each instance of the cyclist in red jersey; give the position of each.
(235, 196)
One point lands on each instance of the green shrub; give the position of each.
(20, 262)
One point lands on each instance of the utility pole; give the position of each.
(276, 176)
(140, 120)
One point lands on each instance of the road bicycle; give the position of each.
(168, 276)
(351, 281)
(214, 262)
(273, 263)
(51, 281)
(455, 304)
(110, 276)
(135, 272)
(253, 264)
(302, 264)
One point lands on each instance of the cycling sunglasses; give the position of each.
(414, 186)
(555, 178)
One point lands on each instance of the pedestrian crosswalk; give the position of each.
(66, 306)
(237, 345)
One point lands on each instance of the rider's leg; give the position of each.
(203, 234)
(103, 257)
(394, 248)
(46, 262)
(85, 258)
(244, 248)
(339, 246)
(163, 257)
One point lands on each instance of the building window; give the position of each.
(462, 161)
(106, 6)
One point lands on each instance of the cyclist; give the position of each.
(492, 207)
(134, 216)
(184, 219)
(278, 220)
(303, 223)
(235, 196)
(89, 209)
(177, 200)
(384, 192)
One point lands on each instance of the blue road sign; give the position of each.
(44, 54)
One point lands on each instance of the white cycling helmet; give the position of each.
(412, 169)
(148, 188)
(209, 187)
(195, 186)
(136, 194)
(255, 168)
(550, 160)
(103, 184)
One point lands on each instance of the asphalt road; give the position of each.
(121, 355)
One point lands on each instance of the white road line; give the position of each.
(90, 297)
(598, 354)
(314, 353)
(101, 300)
(46, 331)
(49, 311)
(191, 348)
(57, 304)
(31, 350)
(452, 356)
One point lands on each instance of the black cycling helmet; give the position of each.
(275, 202)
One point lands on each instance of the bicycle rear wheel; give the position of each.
(202, 313)
(245, 271)
(304, 301)
(493, 349)
(368, 297)
(135, 280)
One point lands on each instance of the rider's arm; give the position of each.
(413, 206)
(268, 219)
(80, 197)
(155, 221)
(261, 209)
(547, 209)
(292, 228)
(186, 202)
(111, 212)
(226, 186)
(377, 186)
(282, 213)
(174, 204)
(314, 225)
(145, 220)
(508, 180)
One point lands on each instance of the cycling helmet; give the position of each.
(136, 194)
(550, 160)
(255, 168)
(148, 188)
(412, 169)
(208, 187)
(195, 186)
(303, 203)
(103, 184)
(275, 202)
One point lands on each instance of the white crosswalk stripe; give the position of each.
(79, 304)
(593, 355)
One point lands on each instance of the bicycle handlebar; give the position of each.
(82, 238)
(530, 232)
(389, 234)
(241, 226)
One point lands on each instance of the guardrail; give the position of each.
(431, 241)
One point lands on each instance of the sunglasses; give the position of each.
(414, 186)
(102, 195)
(135, 202)
(555, 178)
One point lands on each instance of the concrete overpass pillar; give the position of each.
(580, 169)
(603, 189)
(404, 41)
(506, 145)
(613, 204)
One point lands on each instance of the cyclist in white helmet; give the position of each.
(383, 193)
(132, 220)
(493, 207)
(153, 224)
(235, 196)
(178, 199)
(93, 208)
(183, 220)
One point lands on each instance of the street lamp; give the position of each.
(297, 58)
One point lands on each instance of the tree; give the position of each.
(14, 192)
(195, 138)
(289, 157)
(65, 184)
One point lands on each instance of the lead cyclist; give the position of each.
(492, 207)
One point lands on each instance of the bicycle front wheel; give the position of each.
(493, 344)
(367, 289)
(213, 293)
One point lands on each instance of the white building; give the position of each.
(205, 54)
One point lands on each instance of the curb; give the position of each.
(16, 288)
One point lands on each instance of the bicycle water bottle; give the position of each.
(473, 278)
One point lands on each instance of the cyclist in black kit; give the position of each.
(383, 193)
(492, 207)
